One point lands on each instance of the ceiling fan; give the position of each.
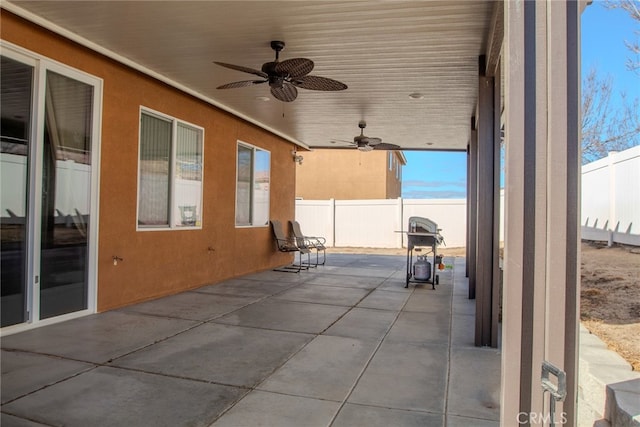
(284, 77)
(365, 143)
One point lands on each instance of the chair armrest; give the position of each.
(287, 245)
(320, 240)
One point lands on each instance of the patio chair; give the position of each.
(310, 242)
(288, 244)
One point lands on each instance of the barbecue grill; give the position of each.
(422, 234)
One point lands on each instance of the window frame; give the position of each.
(254, 149)
(175, 122)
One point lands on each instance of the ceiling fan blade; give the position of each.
(295, 67)
(386, 146)
(318, 83)
(342, 142)
(371, 141)
(286, 93)
(243, 69)
(243, 83)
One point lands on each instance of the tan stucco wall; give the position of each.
(394, 184)
(345, 174)
(157, 263)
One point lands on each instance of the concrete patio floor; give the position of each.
(341, 345)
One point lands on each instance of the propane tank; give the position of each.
(422, 268)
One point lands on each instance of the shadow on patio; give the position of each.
(342, 345)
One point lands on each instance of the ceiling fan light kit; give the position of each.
(365, 147)
(284, 77)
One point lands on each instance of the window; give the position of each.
(390, 161)
(252, 186)
(170, 173)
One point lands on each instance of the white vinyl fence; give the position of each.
(610, 211)
(610, 206)
(611, 198)
(379, 223)
(72, 185)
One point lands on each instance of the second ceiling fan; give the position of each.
(366, 143)
(284, 77)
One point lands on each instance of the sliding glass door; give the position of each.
(66, 182)
(48, 142)
(16, 145)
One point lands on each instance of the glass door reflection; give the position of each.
(15, 138)
(66, 184)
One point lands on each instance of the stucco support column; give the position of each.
(472, 201)
(486, 243)
(540, 309)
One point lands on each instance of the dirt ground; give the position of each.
(610, 292)
(610, 297)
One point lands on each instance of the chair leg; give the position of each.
(324, 256)
(300, 264)
(315, 265)
(293, 268)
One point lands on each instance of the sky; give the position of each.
(435, 175)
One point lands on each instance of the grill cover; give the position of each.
(418, 224)
(422, 232)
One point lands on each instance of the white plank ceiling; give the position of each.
(383, 51)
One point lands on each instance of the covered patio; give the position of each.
(454, 75)
(340, 345)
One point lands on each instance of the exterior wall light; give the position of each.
(297, 158)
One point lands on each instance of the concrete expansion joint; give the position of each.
(609, 390)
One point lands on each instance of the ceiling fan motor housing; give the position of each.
(275, 80)
(270, 67)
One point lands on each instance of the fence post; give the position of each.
(332, 221)
(612, 225)
(399, 224)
